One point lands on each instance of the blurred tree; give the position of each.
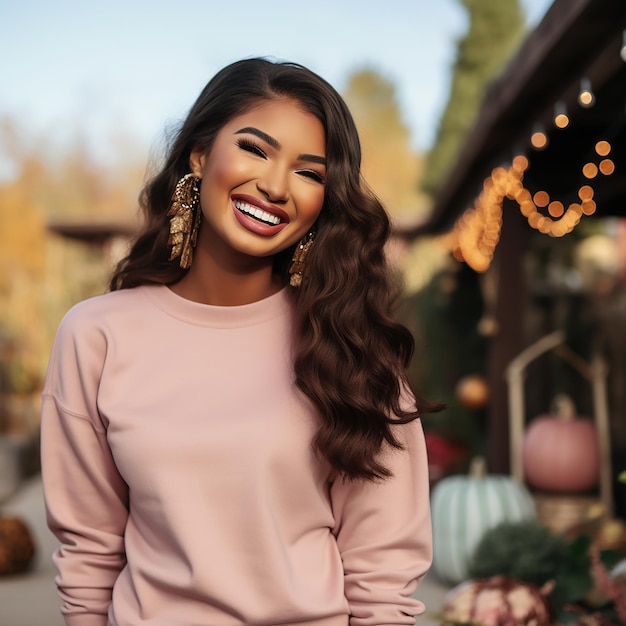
(496, 28)
(22, 272)
(390, 166)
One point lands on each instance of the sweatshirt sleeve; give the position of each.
(86, 498)
(383, 532)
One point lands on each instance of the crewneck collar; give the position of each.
(199, 314)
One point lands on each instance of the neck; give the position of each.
(209, 282)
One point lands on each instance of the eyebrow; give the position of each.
(268, 139)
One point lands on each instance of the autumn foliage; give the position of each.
(41, 273)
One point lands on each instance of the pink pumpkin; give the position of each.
(561, 452)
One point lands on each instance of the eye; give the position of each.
(313, 175)
(250, 146)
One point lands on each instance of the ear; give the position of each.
(196, 161)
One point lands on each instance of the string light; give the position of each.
(538, 139)
(477, 232)
(541, 199)
(590, 170)
(586, 98)
(622, 52)
(561, 120)
(556, 208)
(606, 166)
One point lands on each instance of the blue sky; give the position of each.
(130, 67)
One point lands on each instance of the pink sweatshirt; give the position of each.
(180, 479)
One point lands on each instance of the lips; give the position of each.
(258, 216)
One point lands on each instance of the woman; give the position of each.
(228, 436)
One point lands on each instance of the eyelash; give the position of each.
(254, 148)
(313, 175)
(251, 146)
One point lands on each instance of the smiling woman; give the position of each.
(262, 190)
(229, 436)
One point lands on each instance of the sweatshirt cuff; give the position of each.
(86, 619)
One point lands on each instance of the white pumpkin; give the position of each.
(464, 507)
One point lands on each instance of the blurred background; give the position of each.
(90, 92)
(492, 130)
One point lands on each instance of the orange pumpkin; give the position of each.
(561, 451)
(17, 547)
(473, 392)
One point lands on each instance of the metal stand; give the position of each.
(595, 372)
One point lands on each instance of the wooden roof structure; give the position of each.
(93, 233)
(576, 39)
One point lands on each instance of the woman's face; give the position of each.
(262, 181)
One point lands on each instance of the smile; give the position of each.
(257, 214)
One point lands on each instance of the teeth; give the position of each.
(259, 214)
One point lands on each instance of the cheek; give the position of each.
(218, 180)
(225, 172)
(311, 207)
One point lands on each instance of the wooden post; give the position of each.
(511, 299)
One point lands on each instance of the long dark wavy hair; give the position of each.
(350, 354)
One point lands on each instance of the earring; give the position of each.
(299, 257)
(185, 219)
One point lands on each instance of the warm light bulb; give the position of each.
(590, 170)
(585, 193)
(589, 207)
(539, 139)
(541, 198)
(622, 52)
(520, 163)
(607, 167)
(561, 120)
(556, 208)
(585, 96)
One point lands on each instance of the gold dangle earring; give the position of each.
(185, 216)
(299, 257)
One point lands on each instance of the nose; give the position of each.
(273, 185)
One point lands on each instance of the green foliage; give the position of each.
(528, 551)
(525, 551)
(575, 579)
(444, 317)
(495, 30)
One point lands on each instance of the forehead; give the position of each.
(285, 119)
